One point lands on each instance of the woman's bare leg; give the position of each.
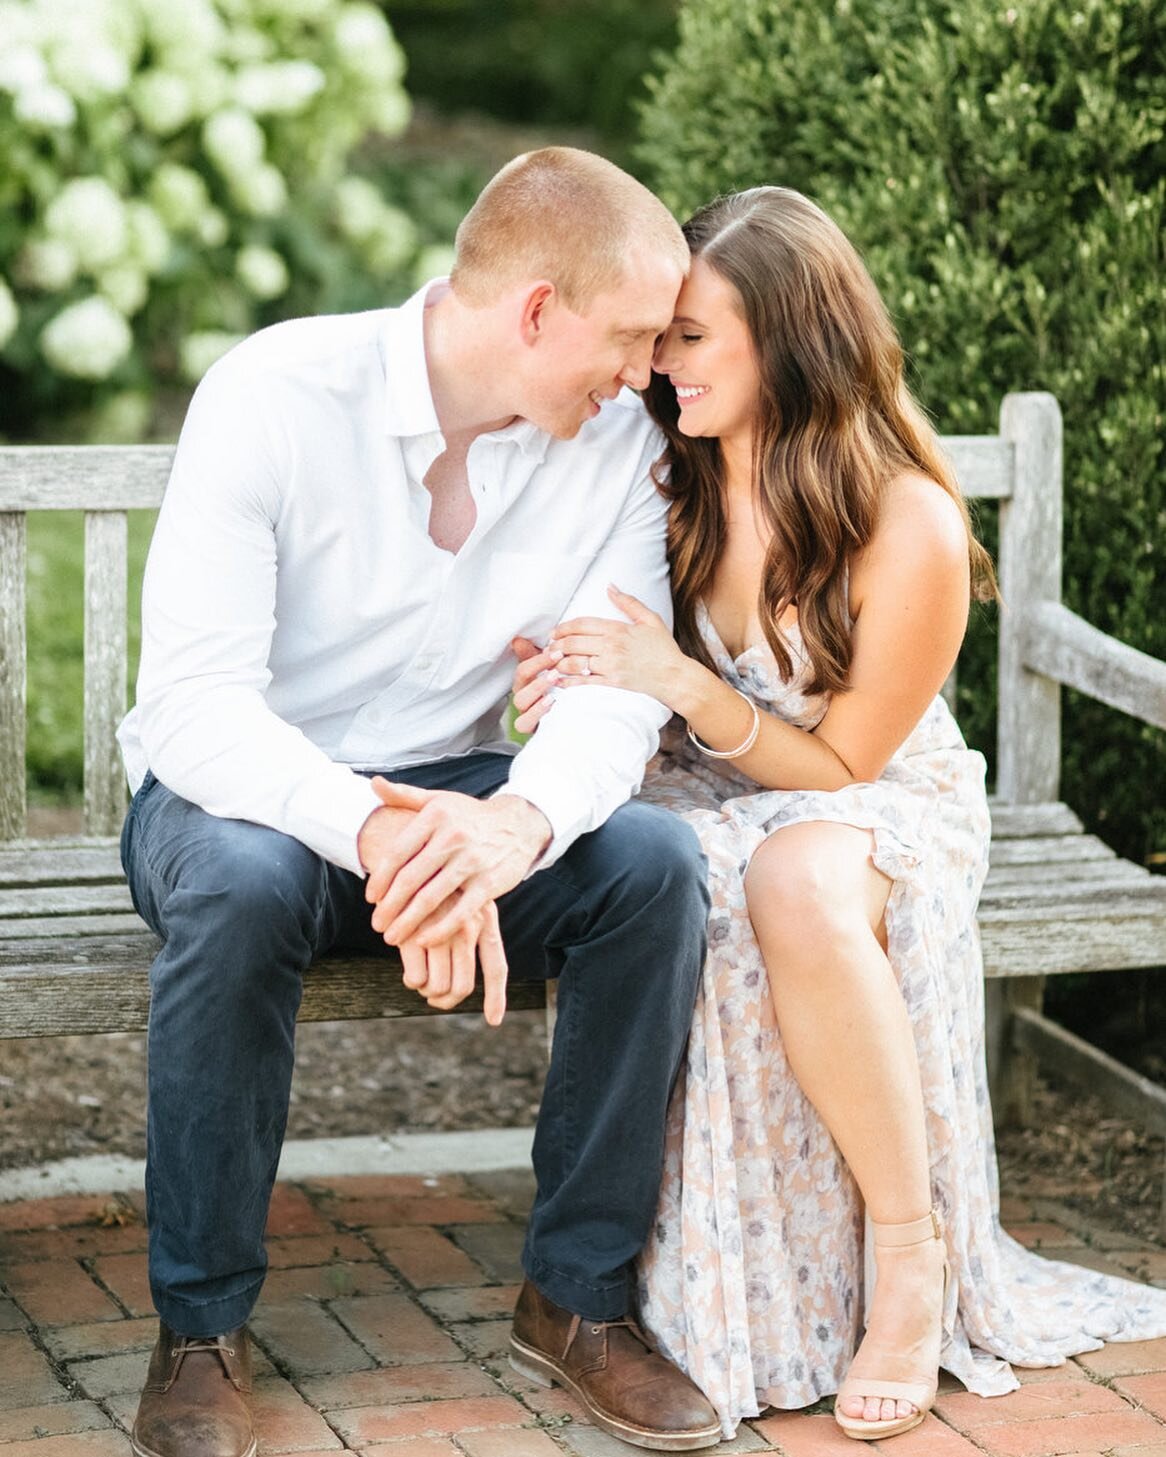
(818, 906)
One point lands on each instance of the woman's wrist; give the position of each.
(692, 689)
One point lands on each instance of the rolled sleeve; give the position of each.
(590, 751)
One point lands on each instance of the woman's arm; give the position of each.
(909, 598)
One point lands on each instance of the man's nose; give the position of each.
(660, 354)
(637, 370)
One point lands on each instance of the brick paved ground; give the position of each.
(384, 1319)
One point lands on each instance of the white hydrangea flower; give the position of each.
(245, 45)
(393, 241)
(9, 313)
(391, 112)
(213, 228)
(262, 271)
(234, 141)
(163, 101)
(21, 68)
(88, 68)
(88, 340)
(149, 240)
(47, 263)
(367, 46)
(289, 9)
(210, 85)
(126, 287)
(88, 215)
(360, 29)
(189, 27)
(279, 88)
(262, 193)
(45, 106)
(358, 208)
(198, 351)
(180, 195)
(19, 24)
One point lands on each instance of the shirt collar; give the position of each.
(409, 408)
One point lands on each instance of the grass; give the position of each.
(56, 578)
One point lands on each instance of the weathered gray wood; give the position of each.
(69, 928)
(1011, 1071)
(105, 669)
(13, 661)
(1028, 754)
(1016, 821)
(1035, 940)
(1050, 892)
(1126, 1092)
(64, 900)
(984, 464)
(1063, 646)
(1049, 850)
(83, 477)
(107, 996)
(47, 862)
(1094, 877)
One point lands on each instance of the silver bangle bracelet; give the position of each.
(743, 748)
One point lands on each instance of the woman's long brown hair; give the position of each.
(836, 424)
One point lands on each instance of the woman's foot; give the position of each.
(892, 1380)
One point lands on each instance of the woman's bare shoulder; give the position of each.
(921, 532)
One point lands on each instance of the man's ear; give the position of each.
(536, 305)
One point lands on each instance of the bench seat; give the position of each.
(74, 954)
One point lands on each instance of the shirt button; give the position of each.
(423, 665)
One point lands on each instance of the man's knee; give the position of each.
(186, 864)
(650, 854)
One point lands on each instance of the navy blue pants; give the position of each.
(244, 910)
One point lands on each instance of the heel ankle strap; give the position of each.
(914, 1232)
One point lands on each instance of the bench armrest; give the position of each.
(1064, 647)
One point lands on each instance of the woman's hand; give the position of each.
(535, 678)
(639, 655)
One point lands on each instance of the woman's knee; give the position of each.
(804, 888)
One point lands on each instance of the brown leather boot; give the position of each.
(194, 1403)
(628, 1388)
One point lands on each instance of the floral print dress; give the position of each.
(752, 1278)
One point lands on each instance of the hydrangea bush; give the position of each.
(177, 173)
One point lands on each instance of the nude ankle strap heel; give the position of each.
(921, 1394)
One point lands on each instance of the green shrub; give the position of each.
(176, 173)
(547, 63)
(1002, 170)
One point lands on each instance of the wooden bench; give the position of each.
(74, 956)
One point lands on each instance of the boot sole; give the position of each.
(544, 1372)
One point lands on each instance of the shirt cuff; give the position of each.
(327, 815)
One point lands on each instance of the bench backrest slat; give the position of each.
(83, 477)
(105, 668)
(13, 661)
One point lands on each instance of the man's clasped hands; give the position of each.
(437, 861)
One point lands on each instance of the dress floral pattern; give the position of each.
(752, 1279)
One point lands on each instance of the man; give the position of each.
(363, 512)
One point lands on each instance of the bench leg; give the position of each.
(1011, 1073)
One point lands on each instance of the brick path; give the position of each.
(384, 1319)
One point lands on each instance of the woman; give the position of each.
(822, 564)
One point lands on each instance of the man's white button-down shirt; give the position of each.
(299, 624)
